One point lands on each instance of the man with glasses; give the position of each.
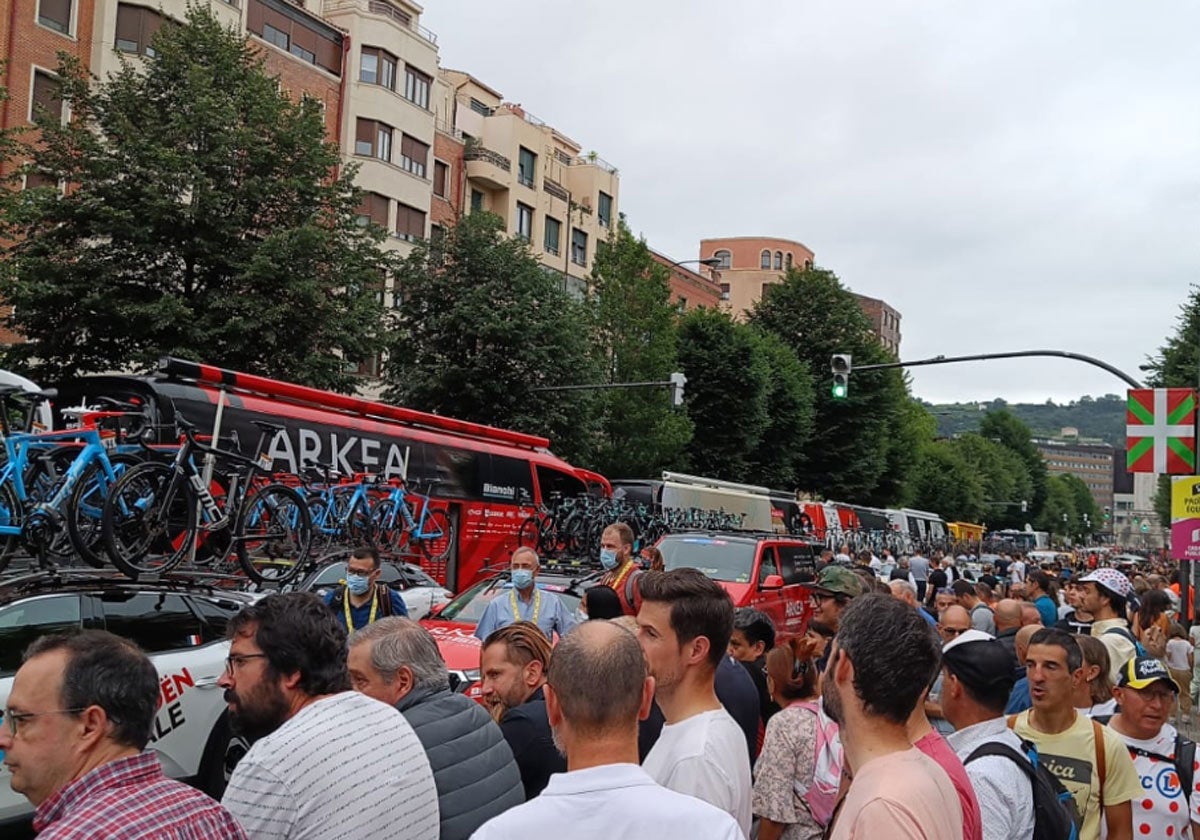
(364, 600)
(832, 592)
(74, 738)
(326, 761)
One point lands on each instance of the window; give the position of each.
(553, 232)
(726, 259)
(410, 223)
(46, 93)
(778, 260)
(526, 166)
(440, 174)
(373, 139)
(374, 210)
(369, 367)
(135, 29)
(24, 621)
(765, 260)
(476, 201)
(216, 616)
(276, 36)
(414, 155)
(524, 221)
(479, 108)
(797, 563)
(155, 621)
(292, 31)
(34, 180)
(681, 304)
(578, 247)
(604, 209)
(724, 291)
(55, 14)
(787, 260)
(416, 87)
(377, 67)
(765, 287)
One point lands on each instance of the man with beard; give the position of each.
(684, 627)
(832, 592)
(328, 762)
(604, 793)
(882, 660)
(512, 664)
(621, 573)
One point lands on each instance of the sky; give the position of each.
(1010, 176)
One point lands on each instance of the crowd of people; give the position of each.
(914, 707)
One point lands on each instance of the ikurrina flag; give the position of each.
(1160, 431)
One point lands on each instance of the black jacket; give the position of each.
(527, 730)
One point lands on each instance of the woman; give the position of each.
(1151, 625)
(1179, 664)
(601, 602)
(1094, 696)
(784, 773)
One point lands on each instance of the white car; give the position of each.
(180, 625)
(420, 593)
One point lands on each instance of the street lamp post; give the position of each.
(711, 262)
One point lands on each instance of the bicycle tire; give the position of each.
(530, 534)
(41, 479)
(85, 508)
(387, 523)
(12, 513)
(437, 546)
(273, 534)
(129, 535)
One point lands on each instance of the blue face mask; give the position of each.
(522, 578)
(357, 584)
(608, 558)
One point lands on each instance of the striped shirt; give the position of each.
(345, 766)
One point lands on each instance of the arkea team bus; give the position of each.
(487, 479)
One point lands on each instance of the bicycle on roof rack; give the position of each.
(427, 532)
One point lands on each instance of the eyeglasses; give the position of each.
(15, 719)
(954, 631)
(818, 598)
(360, 572)
(237, 660)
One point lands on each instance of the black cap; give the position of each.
(981, 665)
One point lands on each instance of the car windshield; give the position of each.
(468, 607)
(727, 560)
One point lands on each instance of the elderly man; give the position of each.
(903, 590)
(77, 724)
(524, 601)
(397, 662)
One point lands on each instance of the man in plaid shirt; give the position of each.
(74, 738)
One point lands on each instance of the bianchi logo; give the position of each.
(499, 490)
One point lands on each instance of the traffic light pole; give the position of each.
(1016, 354)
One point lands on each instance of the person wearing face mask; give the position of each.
(364, 600)
(524, 601)
(620, 572)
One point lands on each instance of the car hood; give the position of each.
(739, 592)
(456, 642)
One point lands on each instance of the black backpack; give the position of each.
(1055, 816)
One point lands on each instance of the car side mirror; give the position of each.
(773, 582)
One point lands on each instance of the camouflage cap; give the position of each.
(838, 580)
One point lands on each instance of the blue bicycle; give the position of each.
(428, 532)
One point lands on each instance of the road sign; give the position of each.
(1185, 517)
(1160, 431)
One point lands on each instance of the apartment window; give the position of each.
(476, 201)
(416, 87)
(681, 304)
(724, 291)
(765, 260)
(553, 233)
(480, 108)
(524, 221)
(410, 223)
(414, 155)
(299, 35)
(807, 265)
(441, 174)
(374, 210)
(778, 260)
(56, 14)
(726, 259)
(35, 180)
(765, 288)
(370, 366)
(135, 29)
(373, 139)
(526, 165)
(46, 94)
(578, 247)
(787, 260)
(276, 36)
(377, 67)
(604, 209)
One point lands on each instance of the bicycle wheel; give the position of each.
(353, 519)
(438, 536)
(148, 527)
(273, 534)
(12, 514)
(85, 508)
(387, 523)
(42, 477)
(530, 534)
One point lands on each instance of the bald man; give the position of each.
(952, 623)
(1030, 615)
(1018, 699)
(1008, 622)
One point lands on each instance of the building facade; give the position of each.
(689, 289)
(885, 322)
(1091, 461)
(747, 265)
(1135, 522)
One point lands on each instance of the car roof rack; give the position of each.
(74, 577)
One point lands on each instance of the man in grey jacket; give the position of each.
(397, 662)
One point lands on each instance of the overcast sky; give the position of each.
(1014, 175)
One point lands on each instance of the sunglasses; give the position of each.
(954, 631)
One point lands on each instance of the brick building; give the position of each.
(689, 289)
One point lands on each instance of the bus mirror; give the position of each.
(773, 582)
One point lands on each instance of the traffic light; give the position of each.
(839, 365)
(1107, 513)
(677, 380)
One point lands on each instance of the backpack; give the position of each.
(1055, 816)
(1123, 632)
(1184, 760)
(821, 797)
(382, 593)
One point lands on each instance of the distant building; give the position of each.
(1135, 523)
(885, 321)
(689, 289)
(1091, 461)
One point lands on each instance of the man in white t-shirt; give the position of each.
(328, 762)
(684, 626)
(1016, 570)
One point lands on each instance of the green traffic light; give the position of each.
(839, 391)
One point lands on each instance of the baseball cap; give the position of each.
(1110, 579)
(1142, 672)
(838, 580)
(979, 661)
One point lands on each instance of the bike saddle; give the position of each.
(266, 426)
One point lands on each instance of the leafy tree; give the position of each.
(479, 325)
(1004, 428)
(635, 341)
(1003, 474)
(944, 482)
(1178, 361)
(206, 218)
(1087, 519)
(778, 460)
(1058, 514)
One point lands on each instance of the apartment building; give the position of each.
(689, 289)
(1091, 461)
(885, 321)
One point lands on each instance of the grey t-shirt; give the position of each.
(919, 566)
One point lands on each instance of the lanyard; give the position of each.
(370, 617)
(616, 584)
(537, 604)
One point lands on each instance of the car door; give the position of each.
(769, 601)
(797, 563)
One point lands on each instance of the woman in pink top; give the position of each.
(928, 741)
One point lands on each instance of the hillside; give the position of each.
(1100, 417)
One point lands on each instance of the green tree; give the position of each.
(778, 460)
(206, 218)
(1005, 479)
(1059, 514)
(1002, 427)
(635, 341)
(1177, 363)
(1087, 518)
(479, 325)
(944, 482)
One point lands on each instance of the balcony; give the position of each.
(489, 168)
(385, 9)
(555, 189)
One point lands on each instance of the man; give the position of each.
(397, 662)
(317, 746)
(883, 659)
(524, 601)
(1019, 699)
(834, 588)
(74, 738)
(684, 627)
(954, 622)
(842, 558)
(364, 599)
(943, 599)
(1030, 615)
(512, 665)
(904, 591)
(977, 678)
(754, 635)
(620, 572)
(1037, 590)
(1016, 571)
(982, 618)
(1008, 622)
(1104, 594)
(918, 574)
(1165, 808)
(1073, 747)
(604, 795)
(988, 577)
(1075, 619)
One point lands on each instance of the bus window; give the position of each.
(503, 479)
(556, 483)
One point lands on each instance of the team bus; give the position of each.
(487, 479)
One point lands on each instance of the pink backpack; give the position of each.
(821, 796)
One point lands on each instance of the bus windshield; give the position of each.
(731, 561)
